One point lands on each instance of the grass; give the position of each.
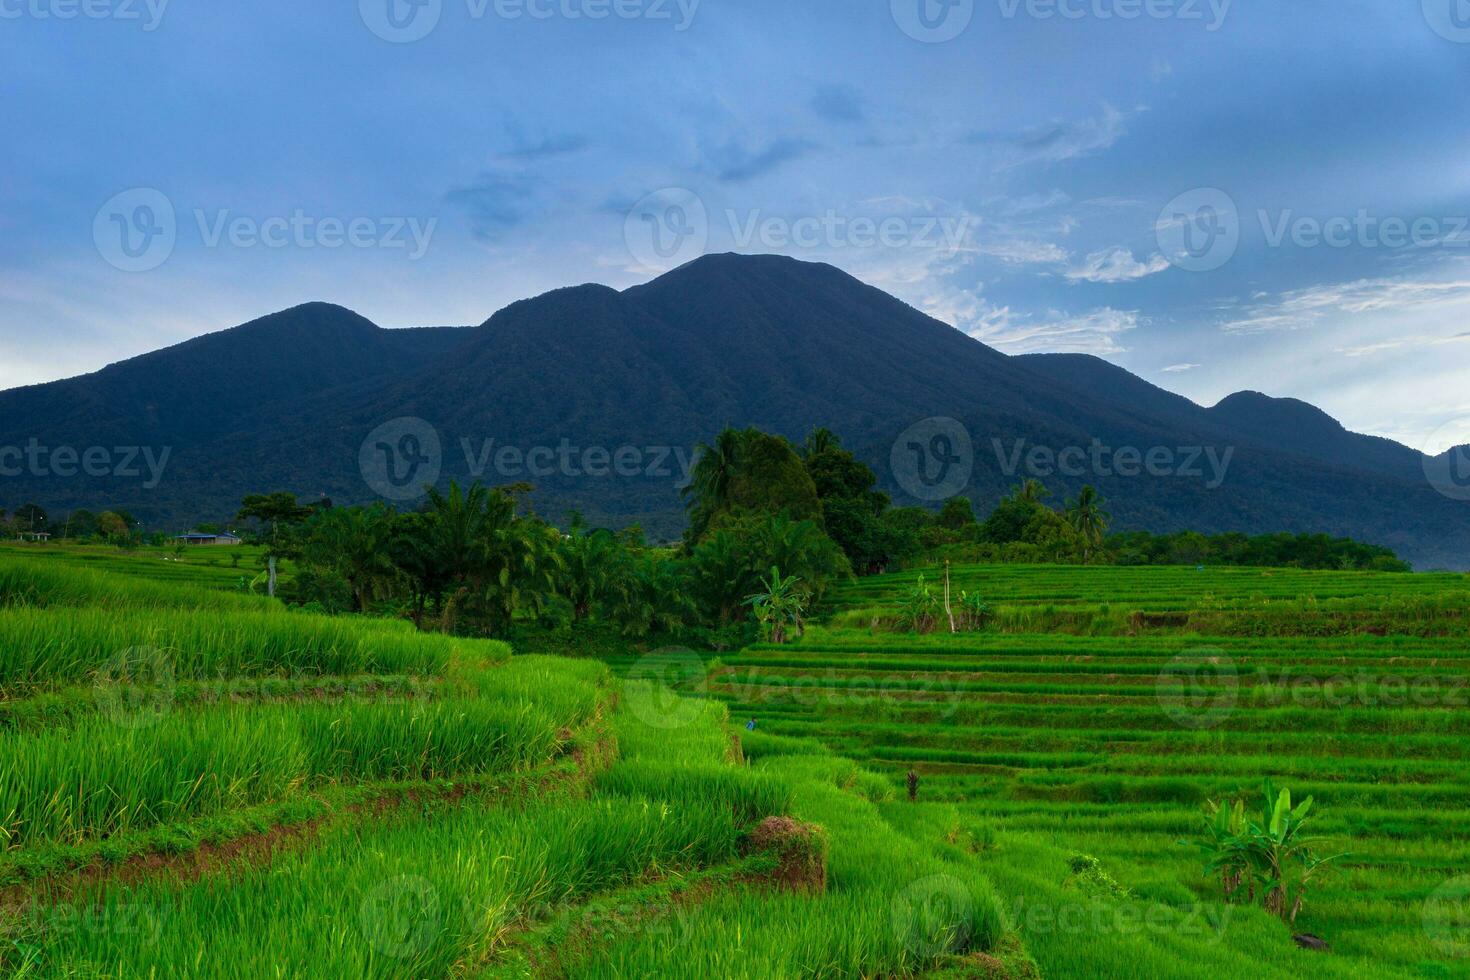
(344, 797)
(1087, 721)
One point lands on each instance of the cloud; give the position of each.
(1180, 368)
(1054, 142)
(1095, 332)
(734, 162)
(1116, 265)
(839, 104)
(1418, 341)
(1020, 252)
(549, 146)
(1304, 308)
(495, 203)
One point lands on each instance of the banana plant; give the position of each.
(781, 607)
(1270, 852)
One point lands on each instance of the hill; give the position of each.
(640, 376)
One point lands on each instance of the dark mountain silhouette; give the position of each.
(640, 376)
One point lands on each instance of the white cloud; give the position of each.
(1020, 252)
(1303, 308)
(1116, 265)
(1095, 332)
(1180, 368)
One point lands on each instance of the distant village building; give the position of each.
(200, 539)
(42, 536)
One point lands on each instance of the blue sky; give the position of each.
(1029, 179)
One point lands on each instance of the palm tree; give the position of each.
(820, 441)
(356, 544)
(1033, 491)
(1089, 519)
(589, 566)
(714, 472)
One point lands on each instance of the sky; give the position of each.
(1214, 194)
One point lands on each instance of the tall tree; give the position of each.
(1090, 520)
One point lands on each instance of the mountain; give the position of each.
(597, 396)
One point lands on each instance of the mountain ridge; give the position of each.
(285, 402)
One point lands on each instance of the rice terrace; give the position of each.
(361, 799)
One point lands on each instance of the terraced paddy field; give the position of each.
(226, 568)
(201, 784)
(1035, 748)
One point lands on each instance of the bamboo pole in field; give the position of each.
(948, 611)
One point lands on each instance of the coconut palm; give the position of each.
(1089, 519)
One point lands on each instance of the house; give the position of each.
(197, 538)
(41, 536)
